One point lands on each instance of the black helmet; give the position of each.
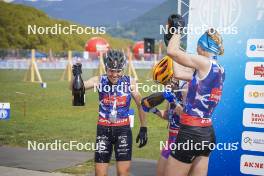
(114, 59)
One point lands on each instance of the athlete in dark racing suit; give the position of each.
(113, 128)
(204, 93)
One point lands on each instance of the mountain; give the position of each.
(148, 24)
(93, 13)
(123, 18)
(14, 21)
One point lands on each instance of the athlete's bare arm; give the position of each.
(162, 114)
(137, 98)
(91, 83)
(179, 109)
(181, 72)
(200, 63)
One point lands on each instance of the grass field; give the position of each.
(50, 116)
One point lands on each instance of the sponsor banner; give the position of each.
(253, 117)
(255, 71)
(4, 111)
(253, 165)
(254, 94)
(242, 33)
(253, 141)
(255, 48)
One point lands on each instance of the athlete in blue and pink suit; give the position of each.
(114, 134)
(174, 109)
(173, 116)
(175, 101)
(203, 95)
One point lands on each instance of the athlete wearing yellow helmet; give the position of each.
(163, 71)
(163, 74)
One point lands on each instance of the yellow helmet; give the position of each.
(163, 71)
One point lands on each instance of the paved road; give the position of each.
(139, 167)
(9, 171)
(48, 161)
(16, 161)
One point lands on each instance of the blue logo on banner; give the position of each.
(253, 47)
(4, 111)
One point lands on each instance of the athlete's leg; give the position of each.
(180, 159)
(123, 168)
(177, 168)
(101, 169)
(103, 153)
(165, 153)
(199, 166)
(123, 150)
(161, 166)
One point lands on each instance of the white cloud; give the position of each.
(8, 1)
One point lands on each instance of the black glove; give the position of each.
(77, 69)
(176, 21)
(142, 137)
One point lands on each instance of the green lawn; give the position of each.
(50, 116)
